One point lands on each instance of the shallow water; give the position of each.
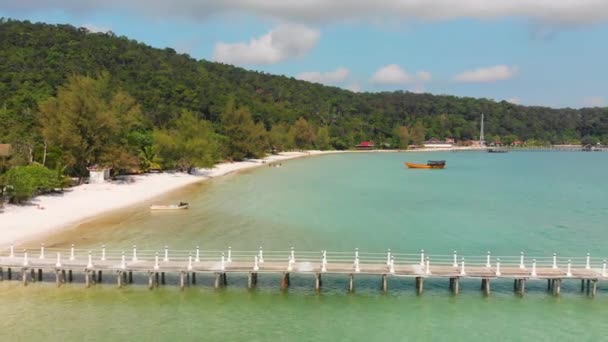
(535, 202)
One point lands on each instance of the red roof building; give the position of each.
(365, 145)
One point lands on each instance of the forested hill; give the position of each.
(35, 59)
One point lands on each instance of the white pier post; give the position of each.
(554, 261)
(289, 264)
(156, 266)
(428, 266)
(588, 263)
(72, 252)
(388, 257)
(90, 263)
(25, 260)
(422, 257)
(521, 261)
(357, 269)
(123, 262)
(533, 268)
(293, 255)
(261, 256)
(497, 267)
(134, 259)
(455, 263)
(462, 271)
(604, 268)
(256, 267)
(223, 263)
(392, 265)
(198, 255)
(58, 263)
(166, 258)
(356, 253)
(569, 271)
(488, 263)
(229, 254)
(12, 251)
(41, 251)
(324, 262)
(190, 262)
(103, 252)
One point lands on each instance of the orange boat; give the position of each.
(431, 164)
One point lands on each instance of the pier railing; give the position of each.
(187, 263)
(197, 254)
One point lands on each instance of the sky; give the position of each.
(531, 52)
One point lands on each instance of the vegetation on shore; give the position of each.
(70, 99)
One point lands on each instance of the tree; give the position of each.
(278, 138)
(418, 134)
(404, 137)
(89, 121)
(322, 139)
(187, 143)
(303, 133)
(23, 182)
(246, 139)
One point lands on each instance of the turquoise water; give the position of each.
(535, 202)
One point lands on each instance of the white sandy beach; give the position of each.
(20, 223)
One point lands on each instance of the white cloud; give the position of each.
(331, 77)
(393, 74)
(514, 100)
(595, 101)
(96, 29)
(487, 74)
(282, 43)
(566, 12)
(423, 76)
(355, 87)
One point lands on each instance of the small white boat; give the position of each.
(180, 205)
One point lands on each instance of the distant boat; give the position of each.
(180, 205)
(496, 151)
(431, 164)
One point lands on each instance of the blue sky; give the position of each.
(553, 55)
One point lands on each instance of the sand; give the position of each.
(45, 214)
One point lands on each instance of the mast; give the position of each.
(482, 139)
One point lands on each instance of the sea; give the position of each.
(538, 203)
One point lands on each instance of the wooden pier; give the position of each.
(29, 264)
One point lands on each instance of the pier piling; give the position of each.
(419, 285)
(455, 285)
(351, 283)
(285, 281)
(218, 281)
(318, 282)
(384, 283)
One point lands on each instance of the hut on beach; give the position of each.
(98, 174)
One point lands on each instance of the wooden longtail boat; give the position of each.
(179, 206)
(431, 164)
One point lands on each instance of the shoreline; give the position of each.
(21, 223)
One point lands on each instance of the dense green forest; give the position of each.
(70, 98)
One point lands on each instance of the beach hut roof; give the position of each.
(366, 144)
